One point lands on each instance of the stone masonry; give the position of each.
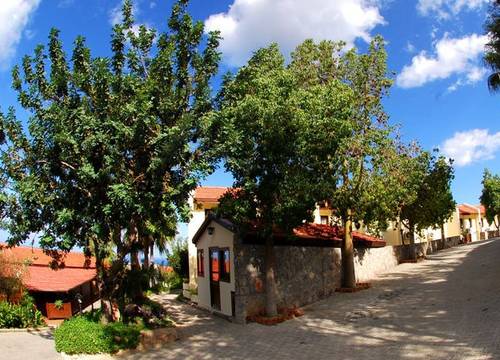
(307, 274)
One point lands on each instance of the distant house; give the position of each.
(474, 224)
(69, 278)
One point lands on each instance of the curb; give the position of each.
(40, 329)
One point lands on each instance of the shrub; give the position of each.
(149, 314)
(82, 335)
(178, 257)
(173, 280)
(22, 315)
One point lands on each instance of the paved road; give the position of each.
(447, 307)
(28, 345)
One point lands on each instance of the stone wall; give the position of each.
(307, 274)
(371, 262)
(303, 275)
(493, 233)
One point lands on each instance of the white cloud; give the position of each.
(115, 14)
(451, 57)
(471, 146)
(410, 47)
(473, 76)
(251, 24)
(14, 16)
(445, 9)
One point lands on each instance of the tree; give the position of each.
(353, 171)
(264, 120)
(111, 150)
(433, 204)
(492, 55)
(12, 274)
(490, 197)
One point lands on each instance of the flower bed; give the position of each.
(359, 286)
(283, 315)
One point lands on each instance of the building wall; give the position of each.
(223, 238)
(197, 218)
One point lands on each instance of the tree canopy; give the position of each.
(264, 122)
(433, 202)
(490, 197)
(492, 54)
(112, 147)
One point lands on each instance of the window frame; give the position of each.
(223, 275)
(200, 270)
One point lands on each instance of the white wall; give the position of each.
(223, 238)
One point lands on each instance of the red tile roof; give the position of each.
(307, 234)
(73, 268)
(37, 256)
(44, 279)
(209, 193)
(335, 234)
(466, 209)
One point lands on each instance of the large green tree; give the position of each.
(492, 55)
(490, 197)
(265, 123)
(353, 172)
(433, 204)
(112, 147)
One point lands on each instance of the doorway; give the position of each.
(215, 261)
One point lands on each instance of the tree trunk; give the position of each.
(412, 249)
(443, 237)
(348, 272)
(271, 293)
(103, 288)
(146, 263)
(133, 238)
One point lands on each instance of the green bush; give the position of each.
(22, 315)
(173, 280)
(178, 257)
(82, 335)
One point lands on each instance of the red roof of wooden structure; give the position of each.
(45, 279)
(65, 272)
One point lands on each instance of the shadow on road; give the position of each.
(447, 307)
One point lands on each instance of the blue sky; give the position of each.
(440, 96)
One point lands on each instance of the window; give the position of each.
(200, 263)
(225, 271)
(214, 265)
(324, 220)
